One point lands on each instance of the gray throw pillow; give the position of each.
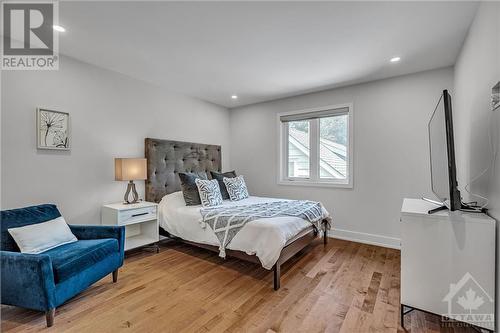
(219, 177)
(209, 192)
(189, 188)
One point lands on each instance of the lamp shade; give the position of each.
(130, 169)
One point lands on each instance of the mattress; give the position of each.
(264, 238)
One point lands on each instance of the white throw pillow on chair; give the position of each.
(40, 237)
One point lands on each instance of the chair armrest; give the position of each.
(27, 280)
(99, 232)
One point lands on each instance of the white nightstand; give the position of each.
(140, 221)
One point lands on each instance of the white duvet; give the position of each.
(264, 238)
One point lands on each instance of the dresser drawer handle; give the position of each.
(139, 214)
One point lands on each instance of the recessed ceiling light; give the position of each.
(395, 59)
(58, 28)
(234, 97)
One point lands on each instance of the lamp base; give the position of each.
(135, 196)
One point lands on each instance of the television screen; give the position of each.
(439, 154)
(442, 151)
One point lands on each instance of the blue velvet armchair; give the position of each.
(45, 281)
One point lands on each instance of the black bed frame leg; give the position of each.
(325, 232)
(277, 275)
(403, 317)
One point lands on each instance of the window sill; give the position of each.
(313, 184)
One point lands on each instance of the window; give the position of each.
(296, 152)
(316, 147)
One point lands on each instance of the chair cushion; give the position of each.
(71, 259)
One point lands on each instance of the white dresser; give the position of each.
(447, 248)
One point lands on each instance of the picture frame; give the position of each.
(495, 96)
(53, 130)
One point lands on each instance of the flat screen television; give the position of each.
(442, 155)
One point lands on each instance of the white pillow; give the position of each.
(236, 188)
(40, 237)
(209, 191)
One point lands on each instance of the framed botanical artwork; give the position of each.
(52, 129)
(495, 96)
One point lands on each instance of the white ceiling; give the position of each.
(263, 50)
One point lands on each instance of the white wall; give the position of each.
(111, 114)
(476, 71)
(391, 157)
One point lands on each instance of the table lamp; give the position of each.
(130, 169)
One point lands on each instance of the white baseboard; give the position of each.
(362, 237)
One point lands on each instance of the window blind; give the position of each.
(314, 115)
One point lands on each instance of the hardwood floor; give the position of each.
(343, 287)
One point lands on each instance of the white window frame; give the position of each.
(314, 179)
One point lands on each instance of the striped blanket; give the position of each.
(227, 221)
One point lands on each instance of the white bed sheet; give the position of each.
(264, 238)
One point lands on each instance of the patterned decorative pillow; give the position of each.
(236, 188)
(220, 178)
(209, 192)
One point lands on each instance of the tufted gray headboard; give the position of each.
(167, 158)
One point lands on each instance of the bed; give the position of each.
(269, 242)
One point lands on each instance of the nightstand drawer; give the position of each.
(136, 215)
